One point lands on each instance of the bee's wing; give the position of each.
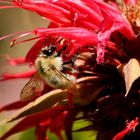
(68, 84)
(34, 86)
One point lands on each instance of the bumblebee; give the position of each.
(50, 67)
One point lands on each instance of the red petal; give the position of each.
(87, 37)
(8, 76)
(7, 7)
(113, 21)
(65, 13)
(130, 127)
(40, 130)
(112, 14)
(33, 120)
(91, 15)
(83, 36)
(15, 61)
(53, 13)
(15, 105)
(57, 124)
(34, 51)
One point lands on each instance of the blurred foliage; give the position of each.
(18, 20)
(29, 134)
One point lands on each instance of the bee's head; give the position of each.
(48, 51)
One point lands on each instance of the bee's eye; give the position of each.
(48, 52)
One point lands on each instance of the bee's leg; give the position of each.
(71, 61)
(66, 68)
(74, 59)
(67, 62)
(69, 70)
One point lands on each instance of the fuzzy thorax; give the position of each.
(50, 69)
(45, 63)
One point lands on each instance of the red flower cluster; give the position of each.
(89, 51)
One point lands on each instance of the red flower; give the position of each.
(95, 18)
(90, 51)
